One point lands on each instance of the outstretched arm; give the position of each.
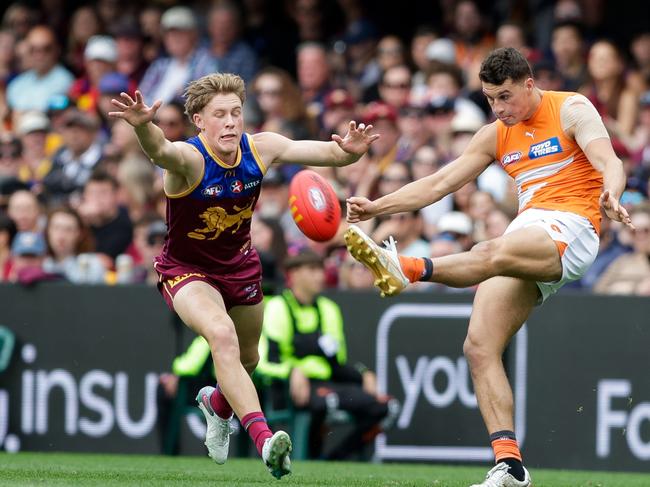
(479, 154)
(341, 151)
(174, 156)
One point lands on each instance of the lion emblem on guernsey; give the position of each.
(217, 220)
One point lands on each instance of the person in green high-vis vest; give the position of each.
(303, 342)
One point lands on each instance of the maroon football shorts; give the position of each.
(239, 287)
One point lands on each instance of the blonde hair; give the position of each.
(199, 92)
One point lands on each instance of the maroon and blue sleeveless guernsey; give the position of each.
(209, 223)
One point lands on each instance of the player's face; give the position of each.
(222, 123)
(510, 101)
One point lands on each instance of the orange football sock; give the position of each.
(505, 448)
(412, 267)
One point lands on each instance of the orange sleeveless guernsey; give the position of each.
(549, 168)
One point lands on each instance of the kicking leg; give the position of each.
(528, 253)
(501, 306)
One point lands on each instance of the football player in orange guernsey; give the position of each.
(556, 148)
(209, 273)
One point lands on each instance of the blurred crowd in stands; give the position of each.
(80, 201)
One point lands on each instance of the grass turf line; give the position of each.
(59, 469)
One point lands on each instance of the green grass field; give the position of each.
(26, 469)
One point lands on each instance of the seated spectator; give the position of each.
(568, 47)
(7, 233)
(407, 230)
(303, 341)
(109, 222)
(167, 77)
(627, 271)
(607, 87)
(233, 54)
(75, 161)
(45, 77)
(110, 86)
(354, 275)
(27, 255)
(129, 41)
(100, 56)
(70, 248)
(496, 223)
(172, 121)
(26, 211)
(148, 238)
(457, 226)
(33, 128)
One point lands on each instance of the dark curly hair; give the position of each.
(502, 64)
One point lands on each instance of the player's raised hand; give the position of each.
(613, 209)
(357, 140)
(360, 209)
(135, 112)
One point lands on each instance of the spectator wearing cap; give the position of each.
(110, 86)
(32, 128)
(32, 89)
(168, 76)
(458, 226)
(100, 56)
(74, 162)
(232, 53)
(7, 233)
(28, 252)
(129, 43)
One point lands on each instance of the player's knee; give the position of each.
(223, 340)
(475, 354)
(492, 253)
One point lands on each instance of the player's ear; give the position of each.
(529, 84)
(198, 121)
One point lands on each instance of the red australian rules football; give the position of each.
(314, 206)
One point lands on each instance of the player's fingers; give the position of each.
(353, 125)
(362, 126)
(156, 105)
(374, 137)
(368, 128)
(118, 104)
(127, 97)
(116, 114)
(337, 138)
(138, 97)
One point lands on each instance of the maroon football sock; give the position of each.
(258, 430)
(220, 404)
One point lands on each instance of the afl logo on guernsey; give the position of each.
(212, 191)
(236, 186)
(510, 158)
(545, 148)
